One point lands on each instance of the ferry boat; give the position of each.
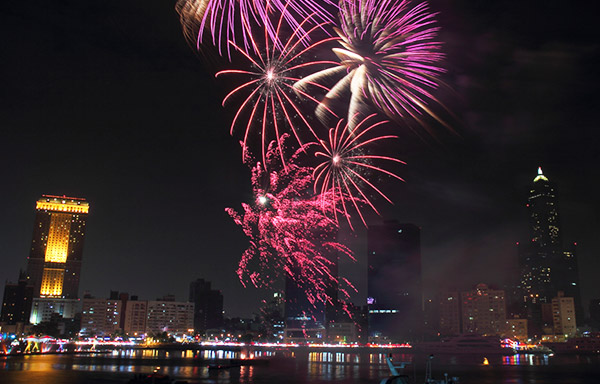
(465, 344)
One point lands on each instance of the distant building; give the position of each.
(208, 305)
(483, 311)
(100, 317)
(173, 317)
(546, 267)
(46, 309)
(395, 296)
(17, 302)
(595, 311)
(136, 313)
(54, 263)
(516, 329)
(563, 312)
(450, 314)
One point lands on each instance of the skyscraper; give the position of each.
(395, 296)
(208, 305)
(54, 263)
(546, 268)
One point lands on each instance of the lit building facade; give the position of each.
(136, 313)
(100, 317)
(546, 267)
(173, 317)
(46, 309)
(54, 262)
(483, 311)
(563, 315)
(395, 297)
(17, 302)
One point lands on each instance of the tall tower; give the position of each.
(546, 268)
(395, 295)
(54, 263)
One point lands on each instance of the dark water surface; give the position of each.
(301, 366)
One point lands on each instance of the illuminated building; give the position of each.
(395, 297)
(54, 263)
(483, 311)
(516, 329)
(169, 316)
(136, 313)
(100, 317)
(546, 267)
(45, 309)
(563, 315)
(208, 305)
(16, 306)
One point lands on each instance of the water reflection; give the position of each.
(303, 365)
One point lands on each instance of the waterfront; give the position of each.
(301, 366)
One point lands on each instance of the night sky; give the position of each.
(104, 99)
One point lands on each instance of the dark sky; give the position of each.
(104, 99)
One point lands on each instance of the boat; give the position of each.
(397, 378)
(586, 344)
(465, 344)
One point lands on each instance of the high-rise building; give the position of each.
(483, 311)
(16, 306)
(563, 315)
(450, 315)
(54, 262)
(395, 296)
(546, 267)
(100, 317)
(169, 316)
(208, 305)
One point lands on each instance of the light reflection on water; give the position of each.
(302, 365)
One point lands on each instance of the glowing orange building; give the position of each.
(54, 264)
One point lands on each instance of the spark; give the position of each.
(388, 59)
(291, 235)
(270, 100)
(236, 20)
(341, 178)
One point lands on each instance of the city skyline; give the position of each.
(138, 139)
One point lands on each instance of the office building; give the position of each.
(54, 262)
(173, 317)
(17, 302)
(450, 314)
(395, 297)
(563, 315)
(546, 267)
(208, 305)
(483, 311)
(100, 317)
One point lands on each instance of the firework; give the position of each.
(289, 233)
(234, 20)
(270, 99)
(388, 59)
(341, 179)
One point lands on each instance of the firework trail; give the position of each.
(270, 98)
(289, 233)
(341, 179)
(388, 58)
(235, 20)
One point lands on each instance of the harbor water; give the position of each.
(300, 365)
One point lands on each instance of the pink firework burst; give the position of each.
(290, 234)
(234, 20)
(388, 58)
(341, 179)
(270, 99)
